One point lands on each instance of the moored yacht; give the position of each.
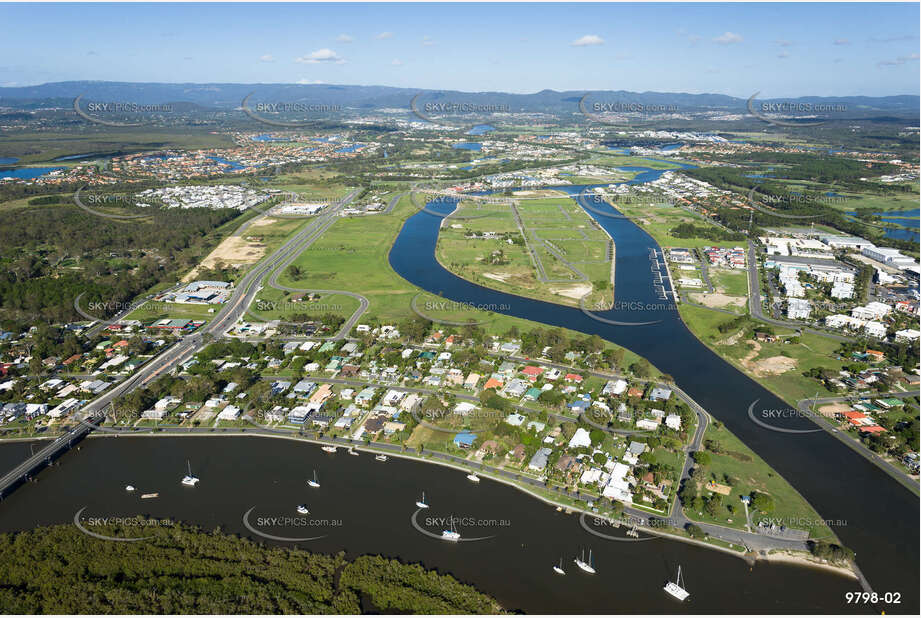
(189, 479)
(585, 566)
(676, 588)
(451, 534)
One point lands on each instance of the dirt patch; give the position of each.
(574, 292)
(717, 300)
(772, 366)
(833, 408)
(542, 193)
(734, 339)
(234, 250)
(503, 277)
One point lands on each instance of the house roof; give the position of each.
(465, 437)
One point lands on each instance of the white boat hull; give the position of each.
(677, 591)
(473, 477)
(585, 567)
(454, 537)
(422, 505)
(559, 571)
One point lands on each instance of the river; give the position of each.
(368, 507)
(880, 514)
(374, 500)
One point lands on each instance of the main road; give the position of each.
(242, 296)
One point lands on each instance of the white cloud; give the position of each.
(321, 56)
(344, 38)
(267, 58)
(842, 42)
(897, 62)
(397, 62)
(384, 35)
(728, 38)
(588, 39)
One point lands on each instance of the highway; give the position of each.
(243, 294)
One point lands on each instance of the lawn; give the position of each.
(353, 255)
(732, 282)
(745, 472)
(660, 219)
(778, 366)
(562, 242)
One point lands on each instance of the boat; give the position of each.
(473, 477)
(190, 479)
(352, 451)
(380, 457)
(585, 566)
(558, 569)
(129, 487)
(153, 495)
(421, 503)
(329, 449)
(676, 588)
(314, 482)
(302, 509)
(451, 533)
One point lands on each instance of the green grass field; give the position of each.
(741, 469)
(658, 220)
(778, 366)
(352, 255)
(561, 236)
(732, 282)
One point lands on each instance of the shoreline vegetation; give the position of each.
(59, 570)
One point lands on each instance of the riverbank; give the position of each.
(487, 473)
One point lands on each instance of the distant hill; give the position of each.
(230, 96)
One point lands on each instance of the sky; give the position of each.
(781, 50)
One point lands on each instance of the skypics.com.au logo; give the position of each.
(454, 114)
(618, 111)
(794, 113)
(287, 114)
(120, 113)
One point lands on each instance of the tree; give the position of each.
(695, 531)
(596, 436)
(702, 458)
(762, 502)
(641, 368)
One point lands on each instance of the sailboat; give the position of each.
(451, 534)
(585, 566)
(314, 482)
(558, 569)
(676, 588)
(189, 479)
(302, 509)
(129, 487)
(473, 477)
(421, 503)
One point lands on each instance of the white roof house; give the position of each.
(580, 439)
